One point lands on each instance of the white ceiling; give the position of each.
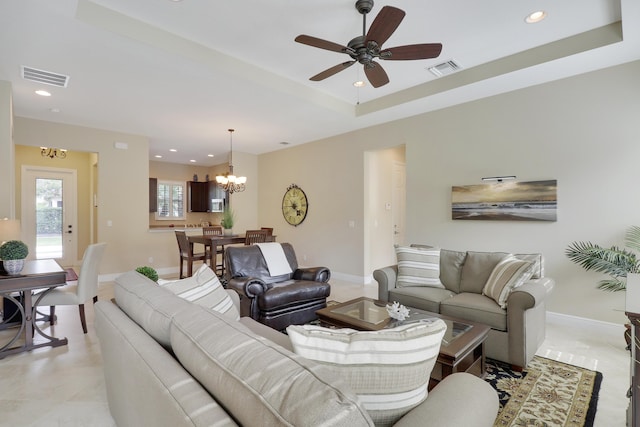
(182, 73)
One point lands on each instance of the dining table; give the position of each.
(42, 274)
(212, 241)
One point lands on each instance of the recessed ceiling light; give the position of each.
(54, 110)
(210, 155)
(173, 150)
(534, 17)
(158, 156)
(359, 83)
(43, 93)
(192, 161)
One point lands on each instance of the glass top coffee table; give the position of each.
(462, 348)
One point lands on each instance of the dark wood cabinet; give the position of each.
(153, 194)
(198, 196)
(633, 413)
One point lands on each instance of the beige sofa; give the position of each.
(170, 362)
(517, 331)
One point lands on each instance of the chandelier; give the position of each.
(61, 153)
(229, 182)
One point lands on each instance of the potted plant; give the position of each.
(622, 265)
(614, 261)
(150, 272)
(228, 218)
(13, 254)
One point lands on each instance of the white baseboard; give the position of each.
(585, 323)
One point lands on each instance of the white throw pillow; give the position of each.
(418, 266)
(204, 288)
(389, 370)
(507, 275)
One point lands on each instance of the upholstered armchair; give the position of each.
(276, 300)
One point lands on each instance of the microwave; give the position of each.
(217, 205)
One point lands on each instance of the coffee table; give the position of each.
(462, 348)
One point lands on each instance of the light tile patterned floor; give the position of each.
(64, 386)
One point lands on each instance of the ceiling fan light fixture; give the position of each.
(535, 17)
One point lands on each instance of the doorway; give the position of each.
(49, 213)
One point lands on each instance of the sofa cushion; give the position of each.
(507, 275)
(149, 305)
(423, 298)
(477, 268)
(476, 308)
(538, 264)
(257, 381)
(204, 288)
(418, 266)
(451, 263)
(388, 369)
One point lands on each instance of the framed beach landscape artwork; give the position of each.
(506, 201)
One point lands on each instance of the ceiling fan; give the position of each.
(364, 49)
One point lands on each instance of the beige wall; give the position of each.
(82, 163)
(122, 184)
(581, 131)
(7, 189)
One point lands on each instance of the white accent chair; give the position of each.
(76, 294)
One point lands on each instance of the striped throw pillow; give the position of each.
(204, 288)
(389, 370)
(507, 275)
(418, 266)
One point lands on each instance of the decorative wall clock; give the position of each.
(294, 205)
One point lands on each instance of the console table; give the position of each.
(37, 274)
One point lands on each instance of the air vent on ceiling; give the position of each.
(46, 77)
(444, 69)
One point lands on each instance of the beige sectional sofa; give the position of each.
(171, 362)
(517, 329)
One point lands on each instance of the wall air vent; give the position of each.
(46, 77)
(444, 69)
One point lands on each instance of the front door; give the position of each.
(49, 213)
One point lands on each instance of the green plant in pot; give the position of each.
(13, 254)
(228, 218)
(614, 261)
(617, 262)
(150, 272)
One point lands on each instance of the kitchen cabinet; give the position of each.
(198, 193)
(153, 194)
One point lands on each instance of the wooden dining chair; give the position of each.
(187, 254)
(216, 230)
(255, 236)
(269, 230)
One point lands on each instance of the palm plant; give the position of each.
(614, 261)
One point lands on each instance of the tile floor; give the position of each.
(64, 386)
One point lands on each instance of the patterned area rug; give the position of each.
(547, 393)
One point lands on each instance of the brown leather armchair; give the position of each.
(276, 301)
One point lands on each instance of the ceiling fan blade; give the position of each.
(331, 71)
(412, 51)
(322, 44)
(385, 24)
(376, 74)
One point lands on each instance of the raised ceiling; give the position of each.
(183, 72)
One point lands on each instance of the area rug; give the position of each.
(547, 393)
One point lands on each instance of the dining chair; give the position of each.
(216, 230)
(186, 253)
(269, 230)
(255, 236)
(79, 293)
